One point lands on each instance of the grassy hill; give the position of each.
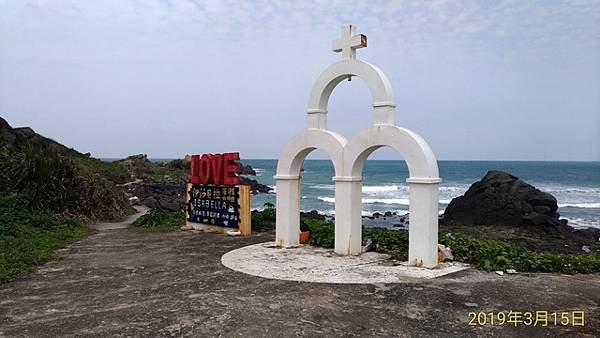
(50, 176)
(48, 192)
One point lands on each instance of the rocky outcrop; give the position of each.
(165, 195)
(177, 164)
(255, 187)
(503, 199)
(137, 165)
(246, 170)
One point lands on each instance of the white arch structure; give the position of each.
(349, 156)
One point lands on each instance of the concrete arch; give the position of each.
(421, 162)
(288, 178)
(379, 86)
(423, 187)
(297, 148)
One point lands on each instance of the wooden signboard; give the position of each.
(212, 202)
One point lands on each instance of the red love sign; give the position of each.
(217, 169)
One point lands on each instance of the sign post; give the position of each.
(214, 198)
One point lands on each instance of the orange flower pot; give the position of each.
(304, 237)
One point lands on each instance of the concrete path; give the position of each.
(125, 282)
(141, 210)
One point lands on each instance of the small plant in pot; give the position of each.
(304, 233)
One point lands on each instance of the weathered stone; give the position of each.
(501, 198)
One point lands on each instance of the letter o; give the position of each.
(205, 165)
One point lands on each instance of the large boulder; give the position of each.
(503, 199)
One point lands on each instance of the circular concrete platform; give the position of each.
(311, 264)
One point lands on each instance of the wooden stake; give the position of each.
(245, 215)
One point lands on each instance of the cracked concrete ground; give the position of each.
(125, 283)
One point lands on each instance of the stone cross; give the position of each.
(349, 42)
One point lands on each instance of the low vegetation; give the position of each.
(29, 237)
(485, 254)
(53, 181)
(264, 220)
(158, 220)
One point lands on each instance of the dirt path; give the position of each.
(124, 282)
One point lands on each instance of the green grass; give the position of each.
(29, 238)
(157, 220)
(485, 254)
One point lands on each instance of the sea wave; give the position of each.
(381, 188)
(568, 189)
(366, 189)
(323, 186)
(399, 201)
(579, 205)
(580, 223)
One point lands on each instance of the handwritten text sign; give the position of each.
(214, 205)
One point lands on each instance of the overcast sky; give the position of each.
(513, 80)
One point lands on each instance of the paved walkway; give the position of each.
(124, 282)
(141, 210)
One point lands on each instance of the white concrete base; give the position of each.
(311, 264)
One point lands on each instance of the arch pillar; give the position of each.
(423, 223)
(287, 211)
(348, 217)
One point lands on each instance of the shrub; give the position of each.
(391, 242)
(159, 220)
(321, 233)
(264, 220)
(49, 180)
(492, 255)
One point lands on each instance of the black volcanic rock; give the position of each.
(255, 187)
(503, 199)
(163, 194)
(313, 214)
(246, 170)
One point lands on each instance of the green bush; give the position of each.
(488, 255)
(264, 220)
(158, 220)
(492, 255)
(391, 242)
(321, 233)
(49, 180)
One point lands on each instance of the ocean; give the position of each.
(576, 185)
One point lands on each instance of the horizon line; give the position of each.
(325, 159)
